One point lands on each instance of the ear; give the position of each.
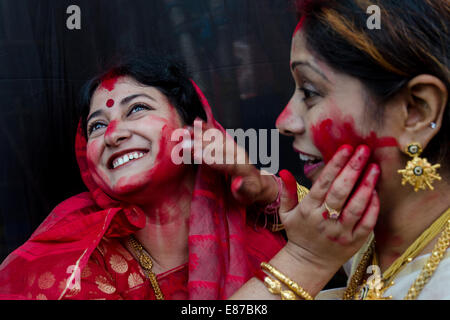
(425, 101)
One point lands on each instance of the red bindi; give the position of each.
(110, 103)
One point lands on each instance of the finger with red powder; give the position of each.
(321, 187)
(344, 183)
(289, 198)
(357, 204)
(369, 218)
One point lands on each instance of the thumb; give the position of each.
(289, 198)
(245, 189)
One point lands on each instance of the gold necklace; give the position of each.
(427, 272)
(146, 263)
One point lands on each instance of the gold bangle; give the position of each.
(291, 284)
(274, 287)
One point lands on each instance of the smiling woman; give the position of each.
(382, 93)
(147, 228)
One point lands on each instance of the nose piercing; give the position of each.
(433, 125)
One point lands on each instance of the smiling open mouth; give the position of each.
(126, 158)
(311, 163)
(310, 160)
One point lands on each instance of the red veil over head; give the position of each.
(222, 248)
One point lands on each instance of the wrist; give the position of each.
(307, 258)
(270, 190)
(304, 268)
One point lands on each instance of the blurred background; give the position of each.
(237, 50)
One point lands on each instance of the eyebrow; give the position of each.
(307, 64)
(134, 96)
(122, 103)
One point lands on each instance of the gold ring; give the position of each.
(332, 213)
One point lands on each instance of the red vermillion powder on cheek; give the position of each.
(163, 169)
(329, 134)
(93, 153)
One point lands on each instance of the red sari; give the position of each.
(78, 252)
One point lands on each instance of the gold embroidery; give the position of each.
(134, 280)
(118, 264)
(69, 292)
(104, 285)
(41, 296)
(46, 280)
(72, 292)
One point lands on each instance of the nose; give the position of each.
(289, 122)
(115, 134)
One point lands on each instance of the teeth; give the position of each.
(126, 158)
(306, 158)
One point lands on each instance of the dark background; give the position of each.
(238, 51)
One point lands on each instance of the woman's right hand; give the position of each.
(346, 184)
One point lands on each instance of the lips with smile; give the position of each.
(311, 163)
(121, 158)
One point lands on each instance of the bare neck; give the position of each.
(165, 235)
(404, 216)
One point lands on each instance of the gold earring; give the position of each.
(419, 172)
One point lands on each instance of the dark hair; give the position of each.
(166, 73)
(413, 40)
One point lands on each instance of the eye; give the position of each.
(309, 93)
(95, 126)
(138, 107)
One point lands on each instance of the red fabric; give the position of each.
(84, 234)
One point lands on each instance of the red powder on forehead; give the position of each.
(109, 81)
(329, 135)
(110, 103)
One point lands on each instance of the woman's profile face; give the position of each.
(327, 110)
(129, 129)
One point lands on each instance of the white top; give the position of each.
(437, 288)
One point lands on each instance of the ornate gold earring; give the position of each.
(419, 172)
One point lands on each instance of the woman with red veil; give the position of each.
(140, 206)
